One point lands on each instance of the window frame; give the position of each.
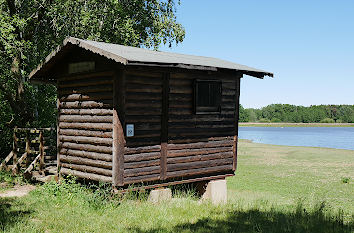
(199, 110)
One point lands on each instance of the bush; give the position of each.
(264, 120)
(327, 120)
(275, 120)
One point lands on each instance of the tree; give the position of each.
(243, 114)
(30, 29)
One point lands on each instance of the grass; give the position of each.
(284, 124)
(276, 189)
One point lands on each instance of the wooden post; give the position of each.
(28, 149)
(237, 108)
(41, 152)
(164, 124)
(118, 132)
(58, 133)
(15, 147)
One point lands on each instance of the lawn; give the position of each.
(276, 189)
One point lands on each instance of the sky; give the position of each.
(308, 45)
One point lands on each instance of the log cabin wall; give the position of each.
(201, 144)
(85, 125)
(143, 108)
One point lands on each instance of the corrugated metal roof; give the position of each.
(138, 56)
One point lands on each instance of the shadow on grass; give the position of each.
(11, 213)
(264, 221)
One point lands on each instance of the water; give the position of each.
(331, 137)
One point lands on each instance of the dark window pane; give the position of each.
(208, 96)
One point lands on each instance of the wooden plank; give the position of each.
(86, 154)
(86, 161)
(198, 164)
(147, 163)
(92, 112)
(14, 147)
(87, 147)
(6, 160)
(164, 124)
(19, 162)
(237, 103)
(143, 149)
(85, 175)
(41, 152)
(198, 151)
(199, 171)
(86, 104)
(141, 171)
(90, 97)
(86, 119)
(88, 126)
(202, 157)
(28, 171)
(200, 145)
(87, 140)
(87, 169)
(88, 133)
(141, 157)
(85, 76)
(118, 133)
(84, 90)
(140, 179)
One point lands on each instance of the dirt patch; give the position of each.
(18, 191)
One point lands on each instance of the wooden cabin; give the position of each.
(134, 116)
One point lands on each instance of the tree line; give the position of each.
(299, 114)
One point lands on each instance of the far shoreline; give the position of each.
(285, 124)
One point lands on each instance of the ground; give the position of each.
(276, 189)
(287, 124)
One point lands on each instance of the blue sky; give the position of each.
(308, 45)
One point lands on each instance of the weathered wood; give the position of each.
(87, 140)
(14, 147)
(164, 123)
(163, 160)
(28, 149)
(85, 76)
(90, 97)
(92, 112)
(88, 133)
(143, 149)
(87, 169)
(118, 133)
(200, 145)
(86, 104)
(199, 171)
(19, 162)
(93, 126)
(142, 164)
(87, 147)
(85, 90)
(41, 152)
(59, 145)
(84, 83)
(86, 154)
(28, 171)
(201, 151)
(141, 157)
(140, 179)
(201, 157)
(85, 161)
(6, 160)
(237, 104)
(141, 171)
(84, 175)
(198, 164)
(86, 119)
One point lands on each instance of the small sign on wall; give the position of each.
(130, 130)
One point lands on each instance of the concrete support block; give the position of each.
(216, 192)
(158, 195)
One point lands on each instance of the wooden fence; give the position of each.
(34, 149)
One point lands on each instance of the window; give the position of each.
(207, 96)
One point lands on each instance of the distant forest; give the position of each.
(299, 114)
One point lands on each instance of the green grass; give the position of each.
(276, 189)
(284, 124)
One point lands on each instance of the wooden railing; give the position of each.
(32, 148)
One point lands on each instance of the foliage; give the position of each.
(29, 30)
(300, 114)
(327, 120)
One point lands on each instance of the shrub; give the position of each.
(264, 120)
(275, 120)
(327, 120)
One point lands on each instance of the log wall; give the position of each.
(85, 126)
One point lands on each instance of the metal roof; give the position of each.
(138, 56)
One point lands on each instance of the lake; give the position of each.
(331, 137)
